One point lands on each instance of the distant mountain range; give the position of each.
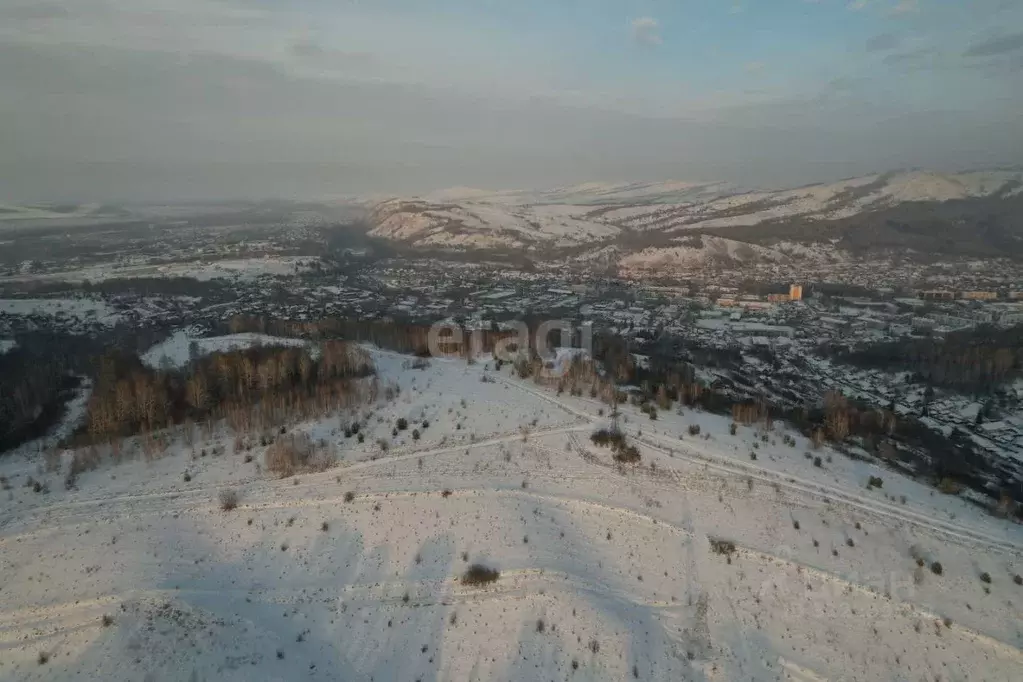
(665, 225)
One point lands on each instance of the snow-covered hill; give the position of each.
(630, 215)
(822, 202)
(698, 563)
(485, 225)
(694, 251)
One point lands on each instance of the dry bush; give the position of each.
(51, 461)
(296, 453)
(228, 499)
(478, 574)
(949, 486)
(719, 546)
(628, 454)
(608, 438)
(85, 459)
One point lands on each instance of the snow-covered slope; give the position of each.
(484, 225)
(16, 212)
(697, 251)
(606, 572)
(596, 213)
(175, 352)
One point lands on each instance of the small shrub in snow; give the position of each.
(349, 496)
(694, 429)
(1018, 579)
(949, 486)
(478, 574)
(228, 499)
(817, 462)
(605, 438)
(296, 453)
(627, 455)
(936, 568)
(875, 482)
(985, 577)
(719, 546)
(401, 424)
(415, 434)
(732, 428)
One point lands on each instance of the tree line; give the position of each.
(264, 384)
(977, 360)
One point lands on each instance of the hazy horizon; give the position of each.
(153, 100)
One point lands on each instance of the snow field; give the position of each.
(303, 581)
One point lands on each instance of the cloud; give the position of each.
(883, 42)
(905, 7)
(908, 59)
(646, 31)
(755, 67)
(313, 51)
(996, 46)
(857, 5)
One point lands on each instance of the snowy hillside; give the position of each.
(823, 202)
(597, 214)
(700, 563)
(176, 350)
(14, 213)
(696, 251)
(482, 225)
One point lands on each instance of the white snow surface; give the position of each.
(238, 269)
(174, 351)
(606, 573)
(79, 309)
(597, 212)
(483, 224)
(675, 258)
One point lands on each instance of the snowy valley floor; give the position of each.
(606, 573)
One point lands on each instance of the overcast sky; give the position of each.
(178, 99)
